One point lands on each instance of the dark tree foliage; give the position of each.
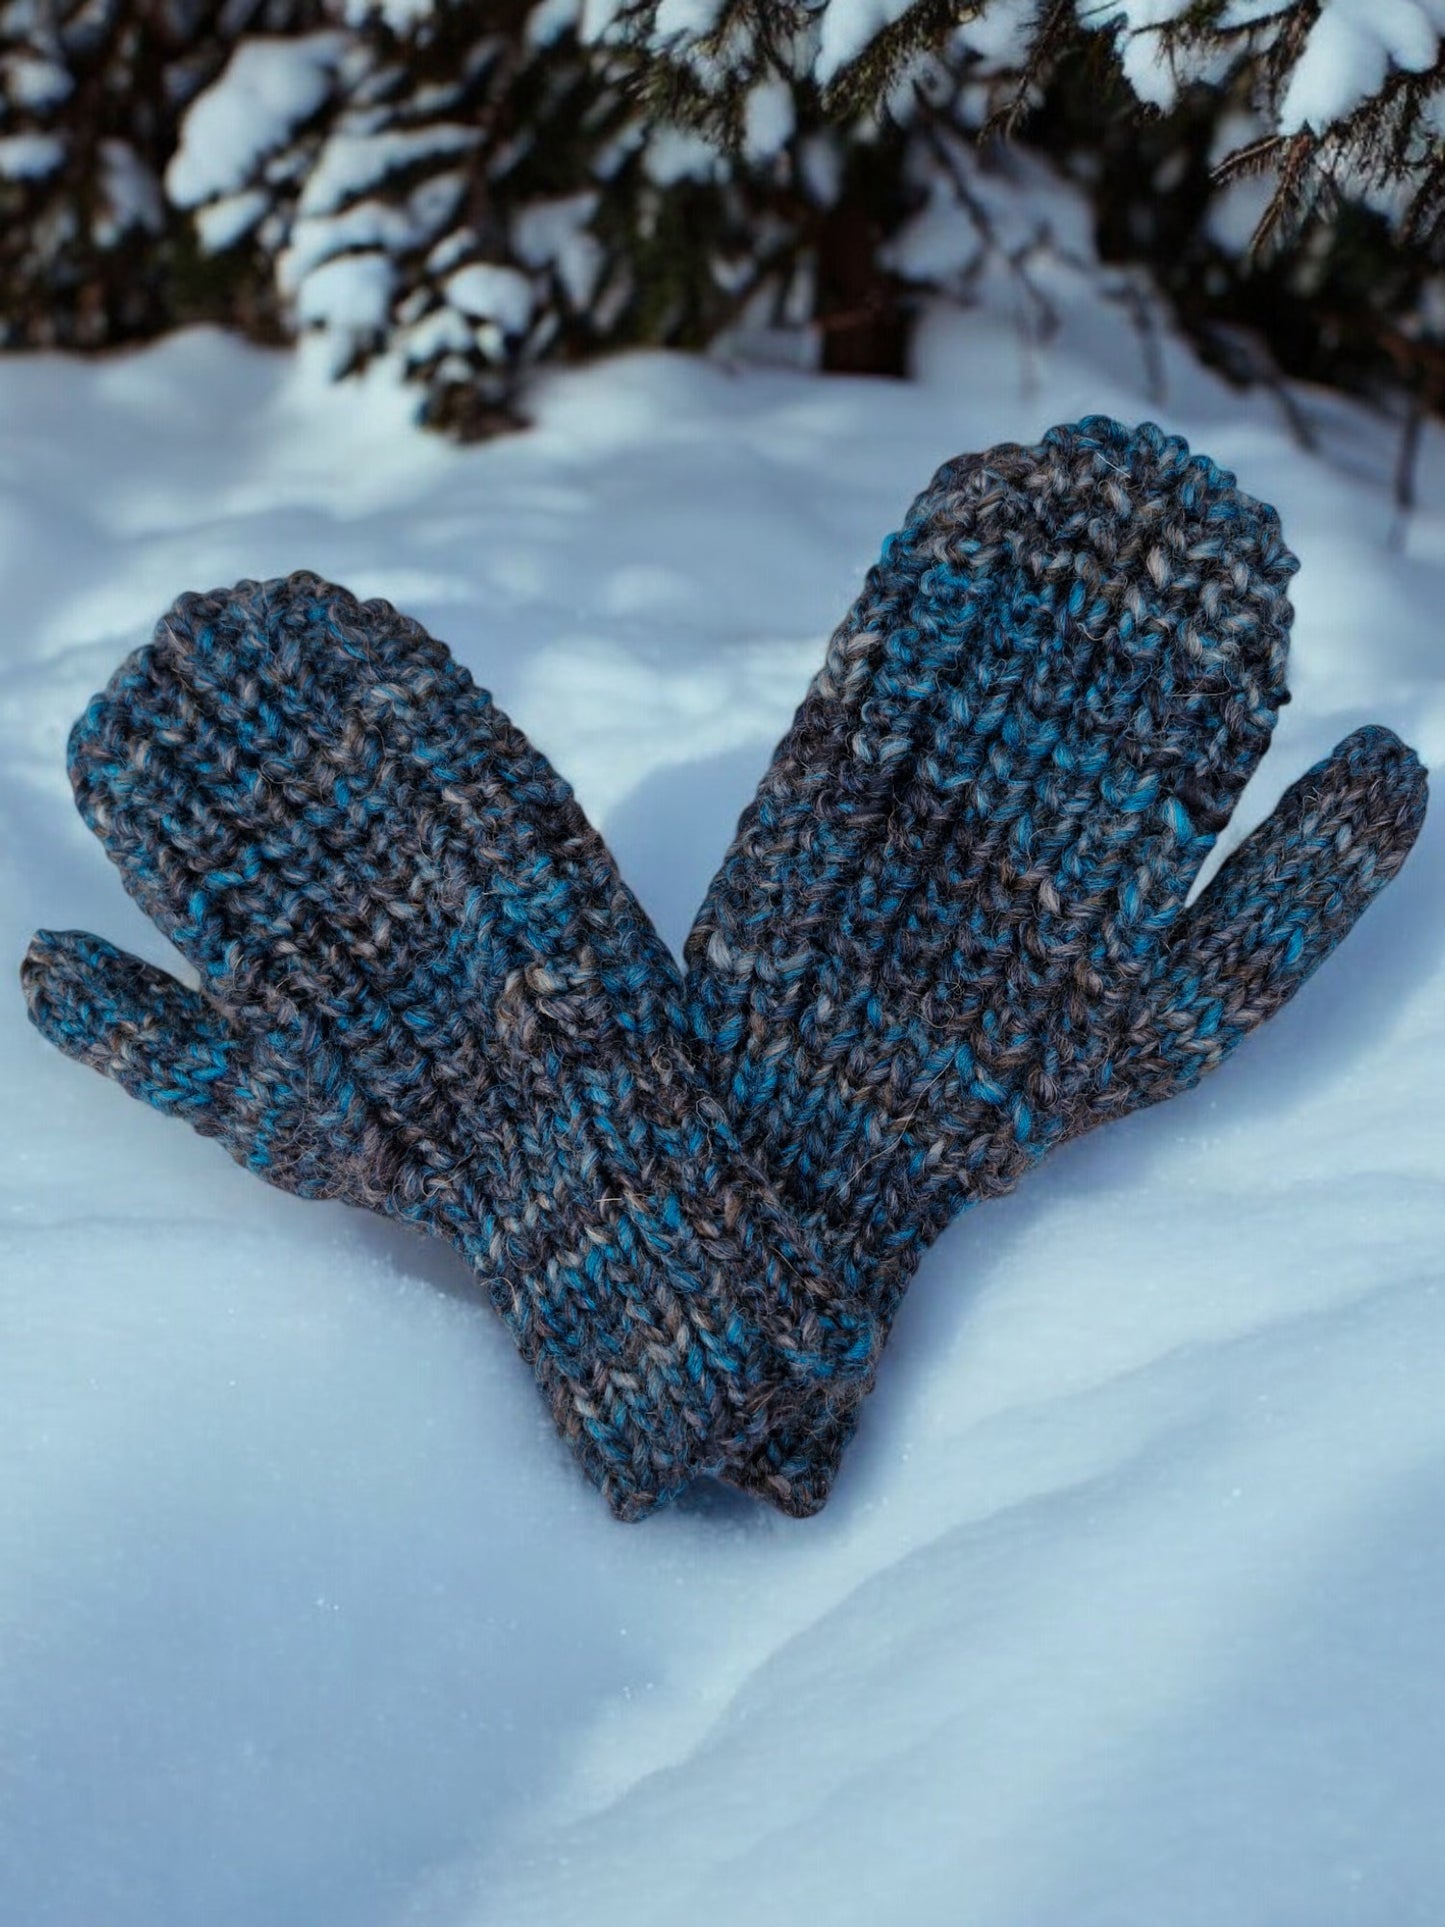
(92, 94)
(470, 189)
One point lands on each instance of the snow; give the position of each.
(1349, 52)
(820, 166)
(399, 15)
(550, 19)
(999, 31)
(267, 89)
(132, 193)
(381, 225)
(491, 293)
(685, 19)
(1235, 211)
(350, 293)
(599, 17)
(679, 154)
(438, 333)
(768, 119)
(28, 157)
(354, 161)
(1147, 67)
(1126, 1608)
(221, 224)
(34, 82)
(934, 244)
(846, 27)
(1351, 48)
(556, 233)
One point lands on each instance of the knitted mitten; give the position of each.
(951, 930)
(425, 989)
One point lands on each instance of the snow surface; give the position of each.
(1126, 1610)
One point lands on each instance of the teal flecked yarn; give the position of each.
(425, 989)
(950, 933)
(951, 929)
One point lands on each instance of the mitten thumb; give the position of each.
(1277, 908)
(269, 1099)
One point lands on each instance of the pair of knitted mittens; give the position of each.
(950, 933)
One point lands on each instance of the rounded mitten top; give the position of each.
(1025, 735)
(1153, 556)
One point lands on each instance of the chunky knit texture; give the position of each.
(950, 931)
(949, 934)
(425, 989)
